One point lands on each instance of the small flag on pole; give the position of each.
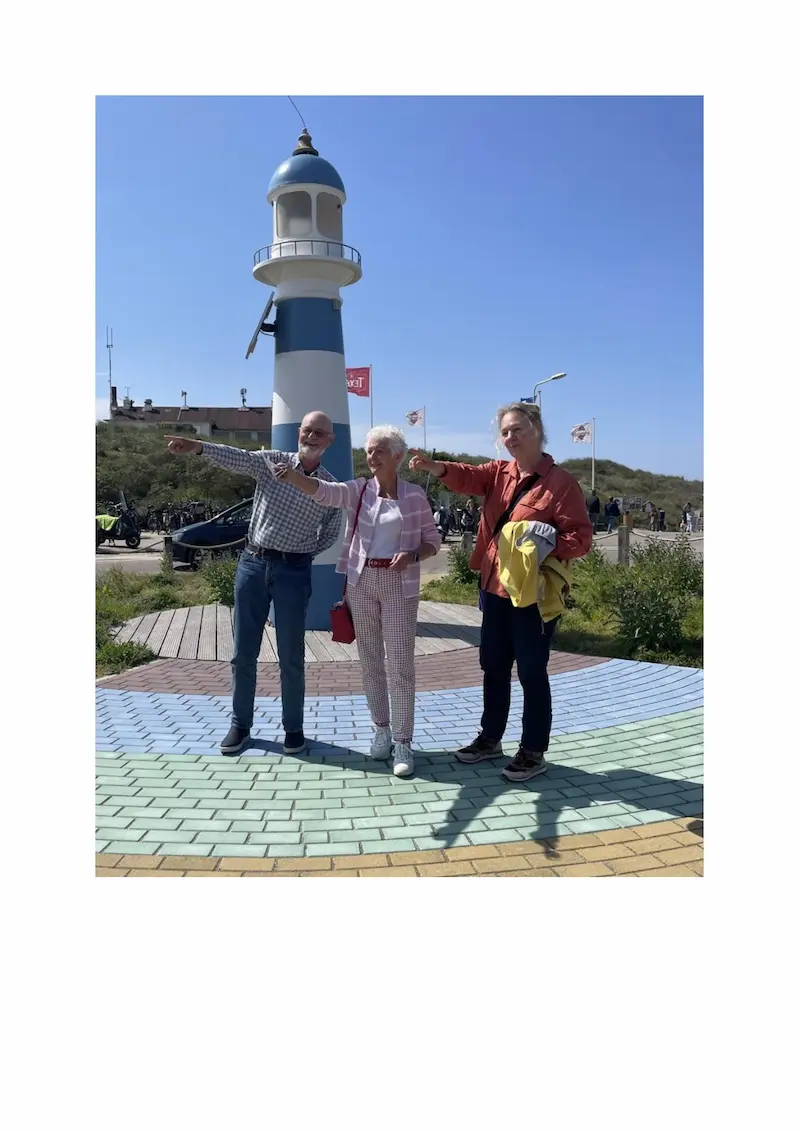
(526, 400)
(416, 416)
(358, 381)
(582, 434)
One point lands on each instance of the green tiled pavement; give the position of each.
(599, 780)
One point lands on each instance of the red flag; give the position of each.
(358, 381)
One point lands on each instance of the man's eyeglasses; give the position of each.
(320, 433)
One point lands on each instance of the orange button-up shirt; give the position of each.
(555, 498)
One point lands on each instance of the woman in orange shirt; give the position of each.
(530, 486)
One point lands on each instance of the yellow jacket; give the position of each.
(523, 580)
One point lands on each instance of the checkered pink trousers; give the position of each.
(383, 617)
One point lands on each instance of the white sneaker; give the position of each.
(381, 743)
(403, 766)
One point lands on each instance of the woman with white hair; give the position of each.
(390, 530)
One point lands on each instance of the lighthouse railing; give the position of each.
(327, 248)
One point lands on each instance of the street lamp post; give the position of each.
(538, 385)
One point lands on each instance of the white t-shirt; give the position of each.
(388, 525)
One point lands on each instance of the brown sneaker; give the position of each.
(478, 750)
(524, 765)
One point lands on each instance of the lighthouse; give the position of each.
(307, 264)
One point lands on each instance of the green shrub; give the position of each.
(652, 610)
(693, 621)
(156, 597)
(650, 614)
(114, 604)
(220, 577)
(111, 610)
(114, 583)
(658, 600)
(112, 657)
(459, 570)
(165, 576)
(672, 563)
(593, 581)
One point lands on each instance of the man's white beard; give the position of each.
(305, 450)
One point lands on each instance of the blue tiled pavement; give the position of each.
(610, 694)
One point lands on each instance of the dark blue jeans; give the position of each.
(286, 584)
(509, 634)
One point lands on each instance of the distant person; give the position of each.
(654, 520)
(688, 518)
(612, 514)
(593, 507)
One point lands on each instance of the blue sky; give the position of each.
(503, 239)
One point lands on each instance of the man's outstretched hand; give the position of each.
(182, 445)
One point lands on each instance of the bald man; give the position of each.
(287, 531)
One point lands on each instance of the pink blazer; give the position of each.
(418, 526)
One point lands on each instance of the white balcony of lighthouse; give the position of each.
(307, 196)
(307, 231)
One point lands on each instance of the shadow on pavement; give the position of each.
(563, 788)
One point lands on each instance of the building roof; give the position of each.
(305, 169)
(252, 419)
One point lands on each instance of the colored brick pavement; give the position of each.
(212, 677)
(626, 757)
(663, 849)
(333, 800)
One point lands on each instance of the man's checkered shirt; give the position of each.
(283, 518)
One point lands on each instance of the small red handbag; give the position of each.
(342, 628)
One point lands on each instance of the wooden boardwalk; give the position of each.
(205, 632)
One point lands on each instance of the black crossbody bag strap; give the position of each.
(523, 488)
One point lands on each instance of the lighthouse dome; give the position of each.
(305, 166)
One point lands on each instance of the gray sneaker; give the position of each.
(381, 746)
(482, 748)
(524, 765)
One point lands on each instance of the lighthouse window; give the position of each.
(329, 216)
(294, 215)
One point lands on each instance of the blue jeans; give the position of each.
(286, 584)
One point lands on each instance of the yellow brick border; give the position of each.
(668, 848)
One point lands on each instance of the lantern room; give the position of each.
(307, 197)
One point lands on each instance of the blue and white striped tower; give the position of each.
(307, 264)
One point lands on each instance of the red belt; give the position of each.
(379, 563)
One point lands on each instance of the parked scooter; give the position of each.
(110, 528)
